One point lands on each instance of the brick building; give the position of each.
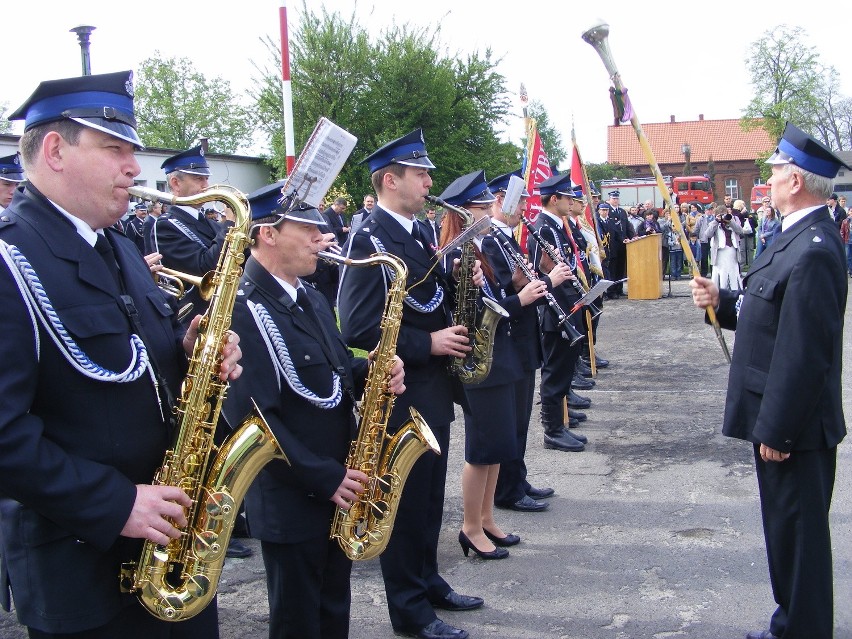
(719, 148)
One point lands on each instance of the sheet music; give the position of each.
(320, 162)
(513, 195)
(596, 291)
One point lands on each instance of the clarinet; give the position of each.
(561, 316)
(556, 258)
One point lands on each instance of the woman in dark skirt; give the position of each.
(490, 415)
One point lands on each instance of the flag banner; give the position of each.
(579, 178)
(536, 170)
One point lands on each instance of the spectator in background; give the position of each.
(766, 230)
(846, 236)
(724, 234)
(334, 218)
(747, 243)
(363, 213)
(704, 219)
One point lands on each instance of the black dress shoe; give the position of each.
(760, 634)
(526, 504)
(580, 417)
(508, 540)
(454, 601)
(467, 546)
(580, 438)
(578, 401)
(583, 370)
(238, 550)
(599, 362)
(562, 440)
(581, 383)
(439, 630)
(539, 493)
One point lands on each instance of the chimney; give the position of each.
(701, 117)
(671, 118)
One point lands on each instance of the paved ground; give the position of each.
(655, 529)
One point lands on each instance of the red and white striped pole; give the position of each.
(286, 89)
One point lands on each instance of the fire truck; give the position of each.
(689, 188)
(758, 192)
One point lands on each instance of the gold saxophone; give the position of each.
(364, 530)
(476, 366)
(176, 581)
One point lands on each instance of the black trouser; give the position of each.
(557, 371)
(308, 589)
(618, 269)
(512, 482)
(705, 259)
(134, 622)
(795, 499)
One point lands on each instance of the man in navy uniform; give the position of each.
(188, 241)
(784, 392)
(307, 402)
(513, 490)
(560, 357)
(83, 425)
(618, 251)
(400, 177)
(134, 228)
(11, 176)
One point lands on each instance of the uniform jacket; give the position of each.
(134, 231)
(361, 301)
(784, 387)
(290, 503)
(148, 235)
(72, 449)
(336, 223)
(523, 320)
(565, 294)
(186, 255)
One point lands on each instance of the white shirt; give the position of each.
(84, 230)
(789, 220)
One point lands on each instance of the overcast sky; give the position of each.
(677, 59)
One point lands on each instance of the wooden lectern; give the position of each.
(645, 268)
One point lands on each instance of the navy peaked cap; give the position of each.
(11, 169)
(557, 184)
(468, 189)
(269, 200)
(797, 147)
(409, 150)
(189, 161)
(103, 102)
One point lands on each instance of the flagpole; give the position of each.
(287, 89)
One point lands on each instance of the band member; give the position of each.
(188, 241)
(11, 176)
(513, 490)
(303, 379)
(490, 420)
(134, 228)
(83, 425)
(560, 356)
(784, 392)
(400, 177)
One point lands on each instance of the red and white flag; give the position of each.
(536, 171)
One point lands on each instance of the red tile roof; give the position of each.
(724, 140)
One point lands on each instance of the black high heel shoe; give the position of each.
(508, 540)
(497, 553)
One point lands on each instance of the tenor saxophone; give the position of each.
(476, 366)
(176, 581)
(364, 530)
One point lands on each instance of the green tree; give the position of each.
(606, 171)
(787, 77)
(551, 139)
(380, 86)
(5, 125)
(176, 105)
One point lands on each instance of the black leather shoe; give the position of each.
(538, 493)
(583, 370)
(581, 383)
(600, 362)
(580, 438)
(573, 422)
(454, 601)
(578, 401)
(439, 630)
(467, 546)
(575, 414)
(760, 634)
(562, 441)
(238, 550)
(508, 540)
(526, 505)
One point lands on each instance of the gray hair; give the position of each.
(817, 185)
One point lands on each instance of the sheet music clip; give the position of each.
(318, 165)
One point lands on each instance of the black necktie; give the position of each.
(303, 301)
(415, 233)
(104, 248)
